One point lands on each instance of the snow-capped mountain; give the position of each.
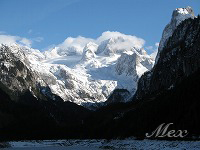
(18, 77)
(169, 92)
(111, 46)
(89, 51)
(94, 74)
(178, 15)
(33, 86)
(88, 71)
(101, 69)
(52, 53)
(177, 57)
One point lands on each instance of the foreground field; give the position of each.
(102, 144)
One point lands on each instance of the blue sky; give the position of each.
(50, 22)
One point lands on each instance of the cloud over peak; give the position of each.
(10, 39)
(124, 41)
(128, 39)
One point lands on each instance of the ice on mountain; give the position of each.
(90, 73)
(89, 51)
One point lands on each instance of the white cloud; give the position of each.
(9, 39)
(79, 42)
(129, 40)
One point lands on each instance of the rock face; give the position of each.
(126, 64)
(178, 58)
(18, 76)
(16, 73)
(178, 15)
(130, 65)
(28, 107)
(169, 93)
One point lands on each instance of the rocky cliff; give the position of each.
(178, 59)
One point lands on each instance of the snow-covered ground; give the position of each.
(104, 144)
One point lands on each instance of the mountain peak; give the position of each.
(184, 11)
(178, 15)
(181, 14)
(89, 51)
(91, 45)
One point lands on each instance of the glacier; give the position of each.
(92, 76)
(88, 73)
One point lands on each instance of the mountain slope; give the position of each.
(91, 76)
(31, 118)
(178, 15)
(169, 93)
(178, 59)
(179, 106)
